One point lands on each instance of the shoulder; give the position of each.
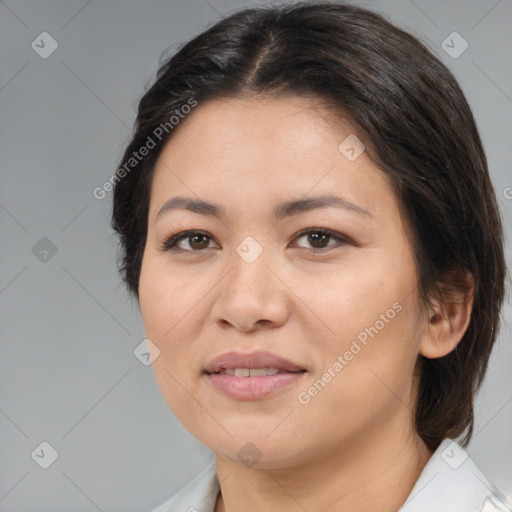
(451, 482)
(200, 495)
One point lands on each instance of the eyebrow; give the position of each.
(281, 210)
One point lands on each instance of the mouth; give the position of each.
(253, 372)
(252, 376)
(252, 364)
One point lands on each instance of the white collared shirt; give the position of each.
(450, 482)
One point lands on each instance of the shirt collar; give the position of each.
(451, 482)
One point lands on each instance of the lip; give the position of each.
(252, 388)
(260, 359)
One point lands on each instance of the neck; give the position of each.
(372, 472)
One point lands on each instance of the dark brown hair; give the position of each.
(417, 127)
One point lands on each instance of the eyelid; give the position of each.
(169, 243)
(341, 239)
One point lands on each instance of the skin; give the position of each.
(353, 447)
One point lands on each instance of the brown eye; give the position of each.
(318, 238)
(197, 241)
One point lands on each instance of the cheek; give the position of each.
(162, 306)
(354, 299)
(151, 298)
(379, 361)
(164, 297)
(173, 314)
(375, 322)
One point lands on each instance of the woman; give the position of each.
(308, 224)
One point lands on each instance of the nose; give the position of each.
(252, 296)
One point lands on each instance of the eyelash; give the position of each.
(170, 243)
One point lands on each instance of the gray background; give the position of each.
(68, 375)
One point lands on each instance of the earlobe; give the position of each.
(448, 319)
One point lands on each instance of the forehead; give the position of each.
(260, 150)
(286, 122)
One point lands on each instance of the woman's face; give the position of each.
(349, 314)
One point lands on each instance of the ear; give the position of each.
(448, 317)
